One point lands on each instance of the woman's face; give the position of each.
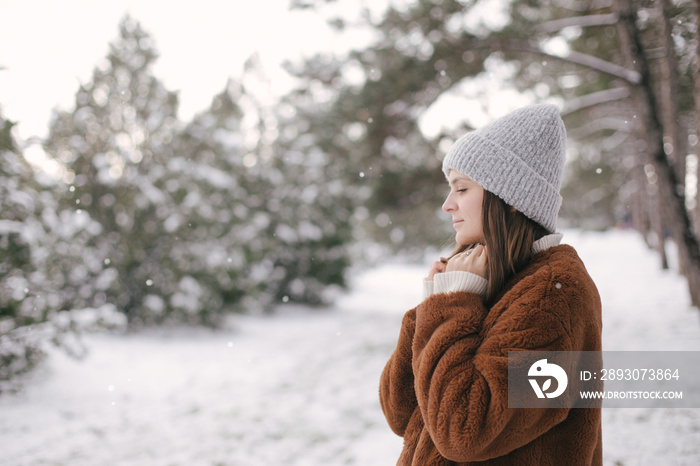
(464, 204)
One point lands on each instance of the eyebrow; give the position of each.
(458, 178)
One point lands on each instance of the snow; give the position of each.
(299, 387)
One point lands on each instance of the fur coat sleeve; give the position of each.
(445, 387)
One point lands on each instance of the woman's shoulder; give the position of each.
(562, 257)
(554, 287)
(556, 270)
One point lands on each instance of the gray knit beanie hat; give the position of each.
(519, 158)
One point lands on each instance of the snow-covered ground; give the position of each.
(300, 387)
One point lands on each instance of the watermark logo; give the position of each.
(603, 379)
(542, 369)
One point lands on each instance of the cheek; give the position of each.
(472, 206)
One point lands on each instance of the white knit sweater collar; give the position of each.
(546, 242)
(447, 282)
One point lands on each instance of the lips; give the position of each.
(456, 222)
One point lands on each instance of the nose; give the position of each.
(449, 204)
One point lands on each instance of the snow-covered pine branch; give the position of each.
(580, 21)
(600, 124)
(572, 56)
(595, 98)
(582, 7)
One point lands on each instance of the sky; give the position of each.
(49, 47)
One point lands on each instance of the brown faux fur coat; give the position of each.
(445, 387)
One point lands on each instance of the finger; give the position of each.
(436, 268)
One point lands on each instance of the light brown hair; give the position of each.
(509, 236)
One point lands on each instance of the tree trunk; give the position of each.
(648, 191)
(674, 130)
(640, 204)
(697, 113)
(668, 182)
(657, 219)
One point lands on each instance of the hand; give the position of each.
(474, 260)
(437, 267)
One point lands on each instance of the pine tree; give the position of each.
(195, 220)
(116, 143)
(310, 205)
(15, 258)
(44, 269)
(220, 217)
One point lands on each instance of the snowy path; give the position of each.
(300, 388)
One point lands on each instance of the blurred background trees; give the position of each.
(263, 199)
(48, 268)
(621, 70)
(201, 218)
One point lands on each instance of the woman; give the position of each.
(509, 286)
